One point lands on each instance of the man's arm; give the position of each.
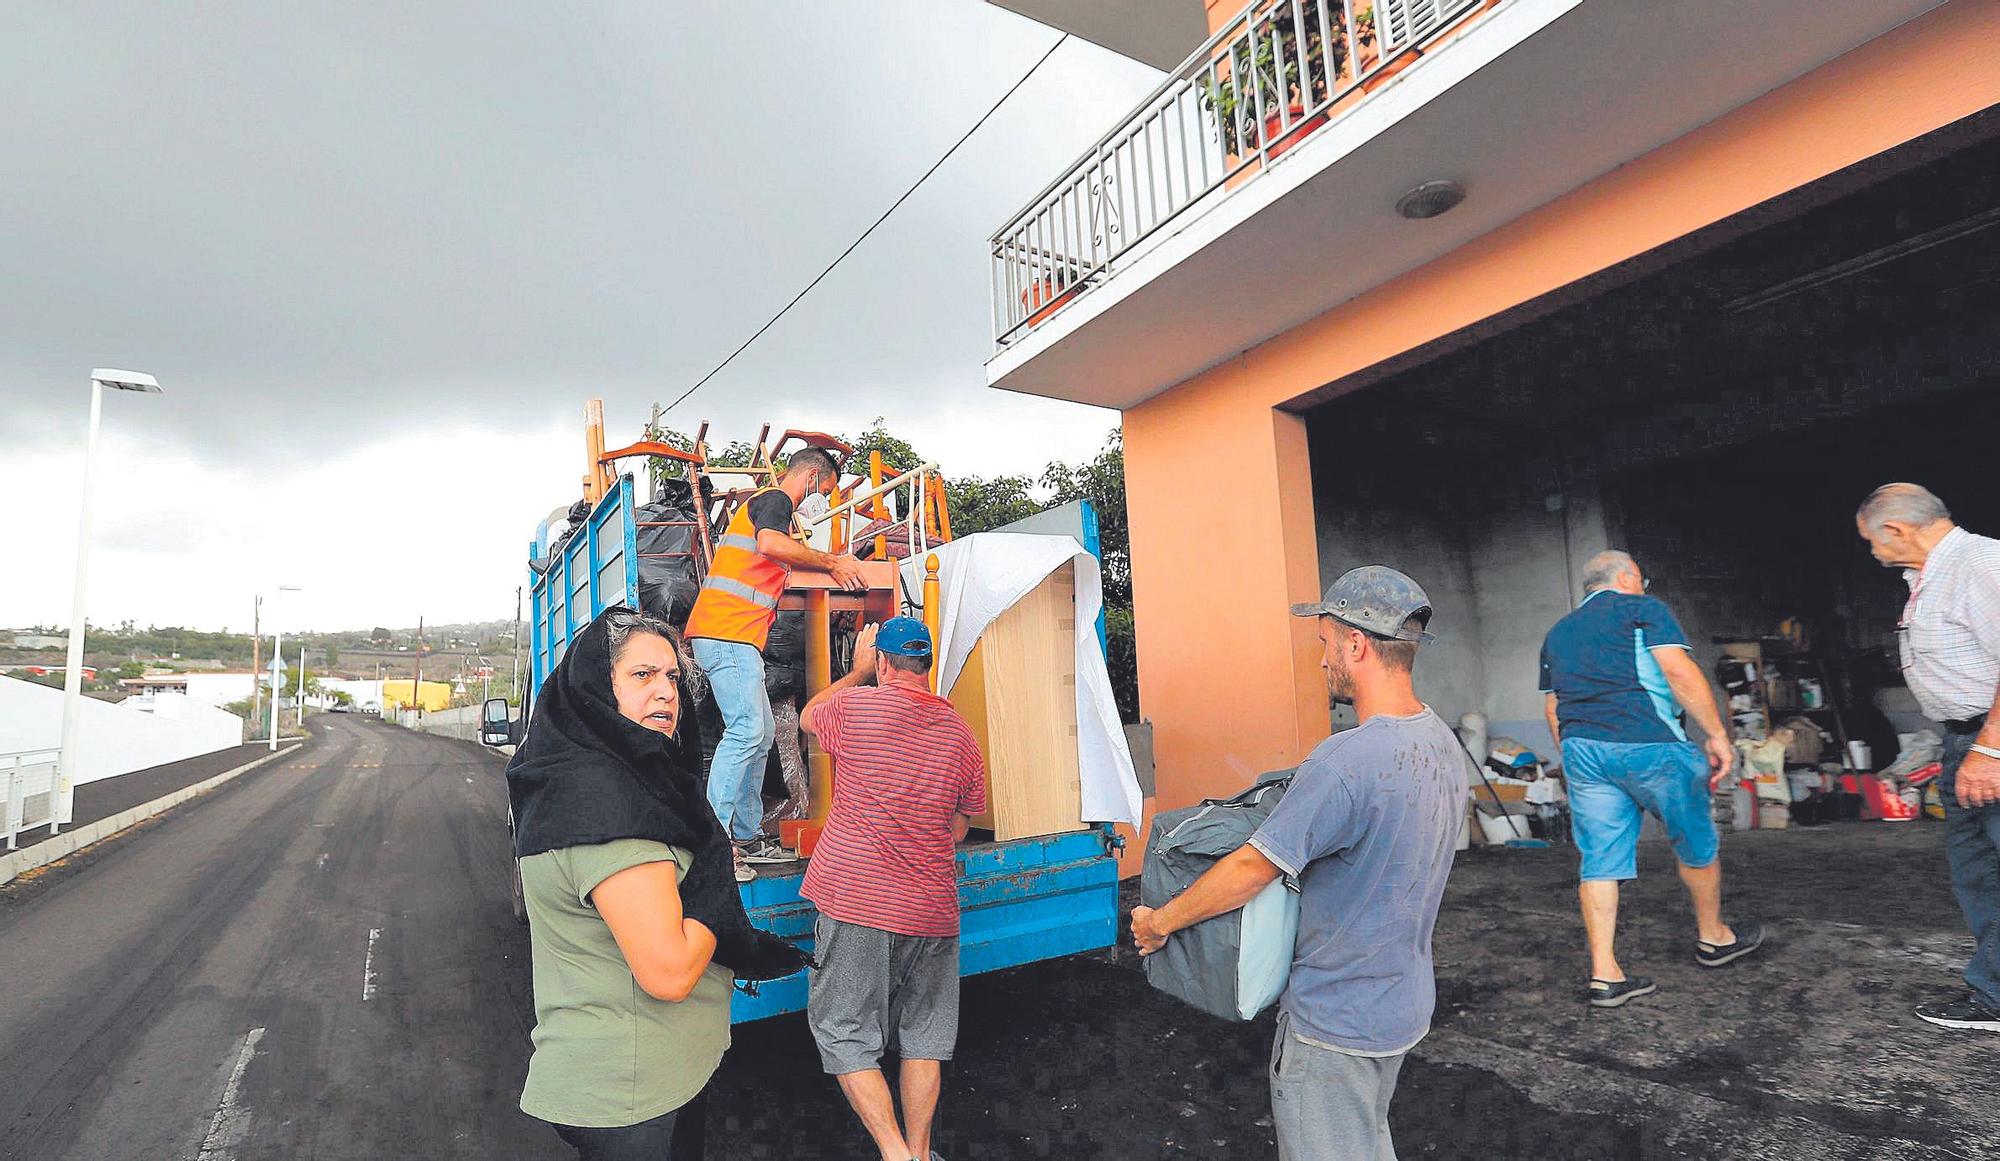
(862, 673)
(845, 570)
(1978, 779)
(1692, 691)
(960, 824)
(1555, 727)
(1229, 884)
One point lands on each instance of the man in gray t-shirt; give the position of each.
(1368, 829)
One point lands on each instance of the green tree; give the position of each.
(977, 504)
(898, 455)
(1101, 480)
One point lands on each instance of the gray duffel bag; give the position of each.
(1236, 964)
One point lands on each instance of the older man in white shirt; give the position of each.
(1950, 639)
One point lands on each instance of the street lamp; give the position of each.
(61, 795)
(278, 663)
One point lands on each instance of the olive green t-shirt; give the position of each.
(606, 1053)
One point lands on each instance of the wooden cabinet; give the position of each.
(1018, 693)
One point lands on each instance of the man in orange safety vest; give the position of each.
(728, 629)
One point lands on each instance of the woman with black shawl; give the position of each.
(633, 913)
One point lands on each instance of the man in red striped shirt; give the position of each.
(908, 778)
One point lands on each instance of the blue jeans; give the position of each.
(736, 776)
(1972, 843)
(1613, 784)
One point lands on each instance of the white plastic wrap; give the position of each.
(982, 576)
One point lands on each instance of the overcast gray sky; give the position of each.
(380, 254)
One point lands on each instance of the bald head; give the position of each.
(1912, 505)
(1607, 568)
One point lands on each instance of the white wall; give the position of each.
(365, 692)
(219, 689)
(115, 739)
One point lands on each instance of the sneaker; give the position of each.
(1749, 937)
(1969, 1014)
(1614, 993)
(744, 871)
(765, 849)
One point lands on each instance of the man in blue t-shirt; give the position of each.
(1612, 671)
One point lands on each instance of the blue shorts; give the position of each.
(1611, 784)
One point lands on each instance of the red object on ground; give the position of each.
(1922, 775)
(1885, 801)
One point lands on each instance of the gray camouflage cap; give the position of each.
(1375, 599)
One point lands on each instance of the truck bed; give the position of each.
(1020, 901)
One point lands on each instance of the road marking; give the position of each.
(225, 1129)
(368, 966)
(321, 861)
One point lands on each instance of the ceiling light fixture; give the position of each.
(1430, 199)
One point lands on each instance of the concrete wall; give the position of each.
(114, 739)
(461, 723)
(1364, 518)
(219, 689)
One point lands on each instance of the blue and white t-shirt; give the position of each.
(1598, 661)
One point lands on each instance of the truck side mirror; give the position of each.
(495, 726)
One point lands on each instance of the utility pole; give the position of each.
(515, 686)
(302, 686)
(417, 686)
(257, 659)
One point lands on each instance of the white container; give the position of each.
(1497, 829)
(1859, 757)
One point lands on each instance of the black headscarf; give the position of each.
(587, 774)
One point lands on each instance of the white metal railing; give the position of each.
(26, 775)
(1259, 86)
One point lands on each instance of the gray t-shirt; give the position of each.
(1368, 828)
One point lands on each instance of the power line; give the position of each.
(699, 383)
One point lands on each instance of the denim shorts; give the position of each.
(1612, 785)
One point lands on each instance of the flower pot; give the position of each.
(1381, 76)
(1300, 130)
(1044, 299)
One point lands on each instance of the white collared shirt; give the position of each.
(1950, 631)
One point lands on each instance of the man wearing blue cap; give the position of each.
(907, 780)
(1367, 830)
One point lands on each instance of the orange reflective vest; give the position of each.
(739, 600)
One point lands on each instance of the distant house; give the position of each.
(30, 639)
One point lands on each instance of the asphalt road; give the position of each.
(317, 960)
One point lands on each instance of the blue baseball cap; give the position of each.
(905, 636)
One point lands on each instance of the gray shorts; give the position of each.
(876, 989)
(1329, 1103)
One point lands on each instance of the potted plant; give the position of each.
(1045, 296)
(1264, 67)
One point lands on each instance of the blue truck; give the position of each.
(1021, 901)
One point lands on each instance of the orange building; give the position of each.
(1476, 289)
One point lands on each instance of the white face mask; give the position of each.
(814, 506)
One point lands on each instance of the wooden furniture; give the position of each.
(1018, 693)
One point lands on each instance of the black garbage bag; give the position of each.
(785, 655)
(669, 568)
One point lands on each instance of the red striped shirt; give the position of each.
(904, 762)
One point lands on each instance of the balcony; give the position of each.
(1257, 186)
(1270, 78)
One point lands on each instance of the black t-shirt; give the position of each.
(772, 509)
